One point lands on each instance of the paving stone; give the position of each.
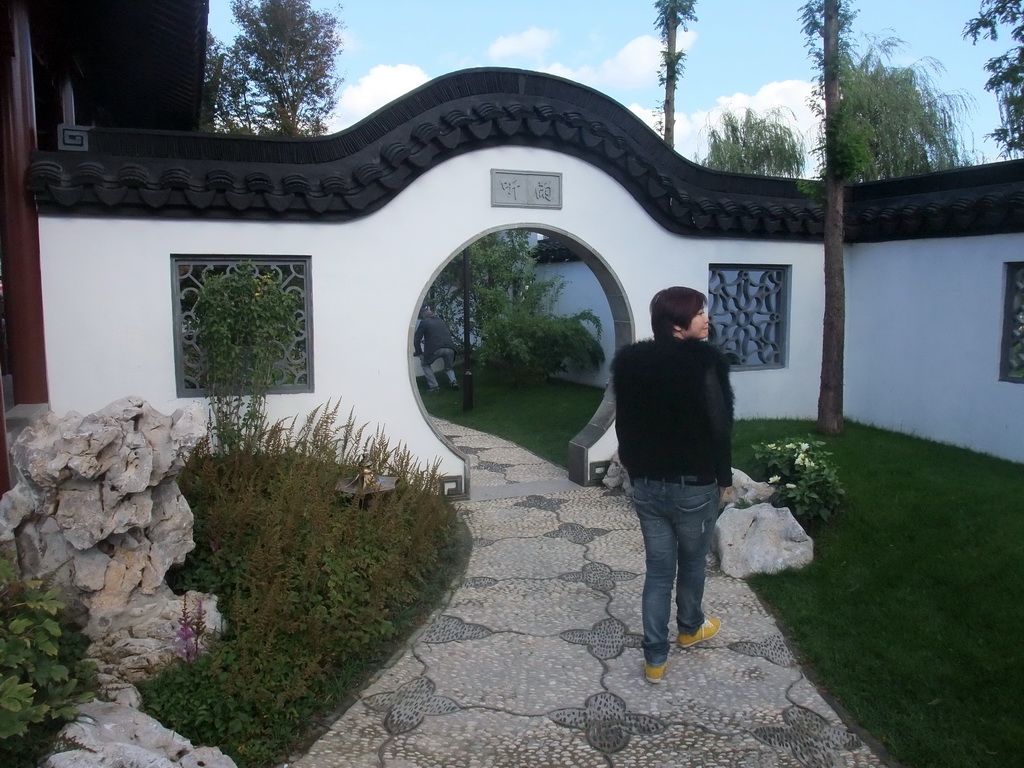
(513, 558)
(503, 519)
(518, 673)
(535, 659)
(537, 607)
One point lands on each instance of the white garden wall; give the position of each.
(583, 291)
(924, 321)
(108, 308)
(923, 316)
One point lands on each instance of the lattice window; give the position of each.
(294, 372)
(1012, 365)
(749, 313)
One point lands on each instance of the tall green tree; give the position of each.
(878, 121)
(279, 77)
(672, 14)
(1006, 72)
(213, 88)
(225, 107)
(844, 149)
(765, 144)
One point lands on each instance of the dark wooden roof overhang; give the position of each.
(358, 171)
(134, 63)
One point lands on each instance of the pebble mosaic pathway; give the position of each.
(535, 660)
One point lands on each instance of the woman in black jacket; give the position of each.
(673, 419)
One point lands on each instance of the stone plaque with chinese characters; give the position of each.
(526, 189)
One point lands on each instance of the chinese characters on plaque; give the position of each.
(526, 189)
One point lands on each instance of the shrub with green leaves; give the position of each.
(512, 322)
(42, 671)
(535, 346)
(245, 322)
(802, 476)
(313, 584)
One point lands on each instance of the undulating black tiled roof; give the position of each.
(358, 171)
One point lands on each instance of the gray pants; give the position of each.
(447, 356)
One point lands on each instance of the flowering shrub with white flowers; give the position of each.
(802, 476)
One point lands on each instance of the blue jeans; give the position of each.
(677, 522)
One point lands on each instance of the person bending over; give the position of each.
(433, 341)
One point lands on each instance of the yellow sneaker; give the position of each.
(707, 630)
(654, 674)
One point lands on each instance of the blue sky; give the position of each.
(739, 52)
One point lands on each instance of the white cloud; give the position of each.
(635, 65)
(350, 42)
(530, 45)
(382, 85)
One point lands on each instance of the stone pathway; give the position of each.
(535, 660)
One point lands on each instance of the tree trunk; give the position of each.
(830, 396)
(670, 85)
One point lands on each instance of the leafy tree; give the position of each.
(279, 77)
(672, 14)
(212, 100)
(534, 343)
(1006, 72)
(500, 270)
(747, 142)
(883, 121)
(224, 108)
(909, 125)
(512, 321)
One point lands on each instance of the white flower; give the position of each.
(791, 486)
(774, 479)
(804, 446)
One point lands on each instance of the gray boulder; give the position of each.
(97, 513)
(760, 539)
(108, 735)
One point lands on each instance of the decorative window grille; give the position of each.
(294, 372)
(1012, 365)
(749, 313)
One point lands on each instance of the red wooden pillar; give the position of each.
(19, 225)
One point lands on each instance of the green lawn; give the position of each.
(539, 417)
(911, 613)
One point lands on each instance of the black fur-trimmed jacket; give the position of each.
(674, 410)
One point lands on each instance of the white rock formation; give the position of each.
(97, 512)
(108, 735)
(760, 539)
(616, 476)
(747, 490)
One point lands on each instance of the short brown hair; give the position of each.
(674, 306)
